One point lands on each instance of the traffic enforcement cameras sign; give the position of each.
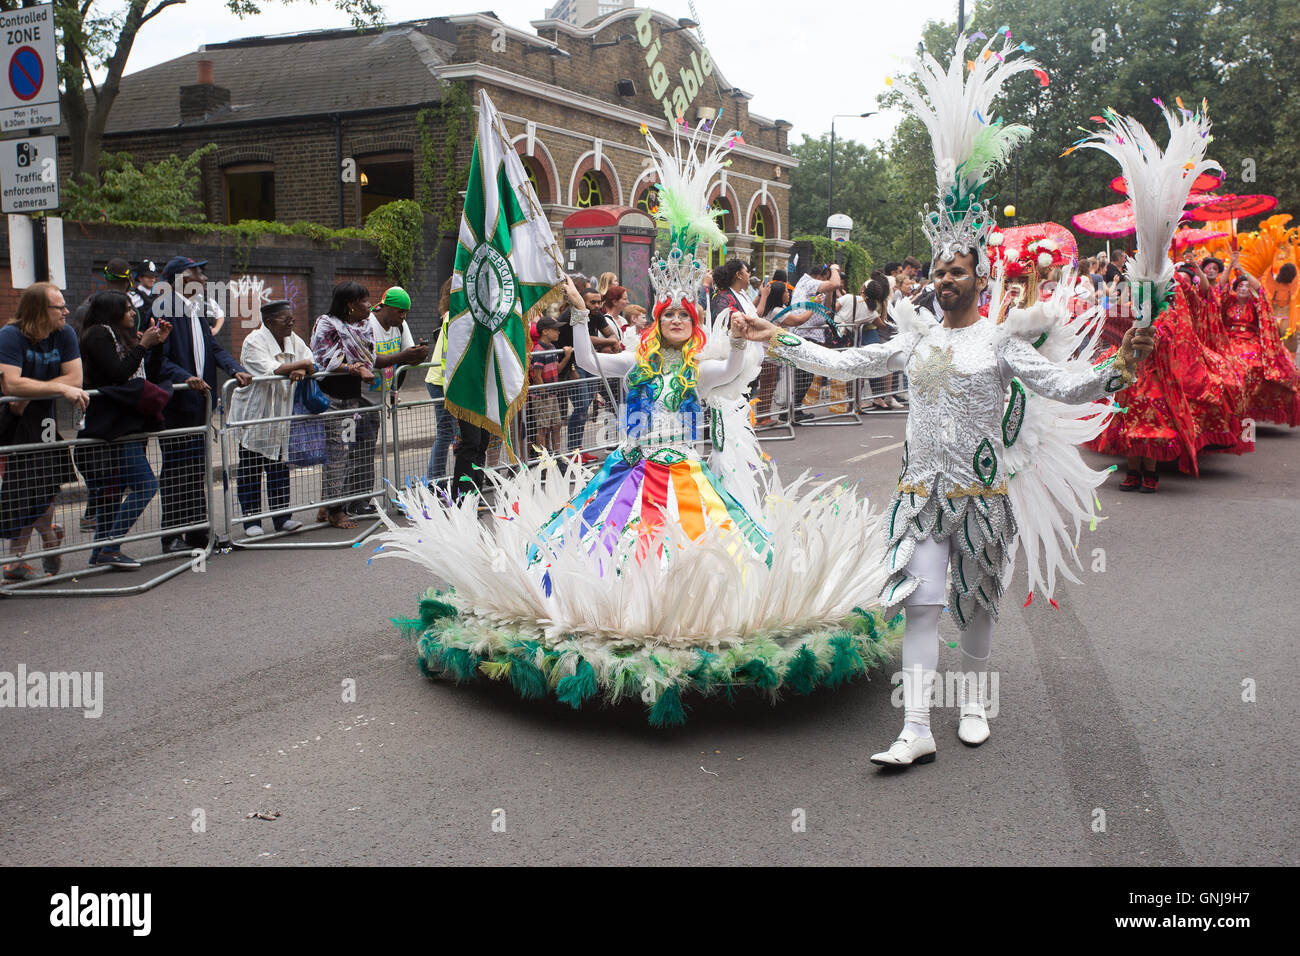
(29, 93)
(29, 174)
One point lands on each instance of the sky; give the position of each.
(804, 67)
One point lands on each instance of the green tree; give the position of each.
(865, 190)
(165, 191)
(92, 37)
(1240, 55)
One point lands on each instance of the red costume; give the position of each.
(1271, 382)
(1158, 422)
(1210, 381)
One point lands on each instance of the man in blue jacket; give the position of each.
(190, 355)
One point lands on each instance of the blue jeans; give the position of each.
(446, 433)
(115, 515)
(582, 394)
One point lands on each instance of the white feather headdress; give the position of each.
(1158, 185)
(685, 177)
(969, 144)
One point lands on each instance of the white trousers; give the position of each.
(929, 565)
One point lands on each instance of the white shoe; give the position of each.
(906, 750)
(973, 728)
(291, 525)
(254, 530)
(894, 403)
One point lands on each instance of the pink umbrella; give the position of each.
(1194, 237)
(1111, 222)
(1108, 222)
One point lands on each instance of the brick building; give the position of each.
(324, 126)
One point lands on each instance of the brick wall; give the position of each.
(291, 267)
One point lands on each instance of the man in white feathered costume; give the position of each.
(981, 473)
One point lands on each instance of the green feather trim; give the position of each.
(495, 670)
(459, 663)
(846, 663)
(758, 673)
(431, 609)
(526, 678)
(668, 711)
(804, 671)
(579, 687)
(409, 626)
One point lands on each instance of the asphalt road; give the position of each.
(223, 694)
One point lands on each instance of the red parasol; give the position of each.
(1194, 237)
(1204, 183)
(1233, 207)
(1108, 222)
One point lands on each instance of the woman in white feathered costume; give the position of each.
(981, 474)
(658, 575)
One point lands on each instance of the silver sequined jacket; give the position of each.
(953, 481)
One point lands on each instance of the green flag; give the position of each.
(507, 270)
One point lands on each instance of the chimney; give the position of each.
(200, 100)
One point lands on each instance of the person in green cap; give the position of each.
(394, 344)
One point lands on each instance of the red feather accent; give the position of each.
(1042, 77)
(1029, 599)
(1053, 603)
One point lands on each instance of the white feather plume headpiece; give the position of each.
(1158, 186)
(969, 143)
(685, 177)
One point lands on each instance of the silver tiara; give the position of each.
(965, 232)
(678, 277)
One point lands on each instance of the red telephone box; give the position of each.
(616, 239)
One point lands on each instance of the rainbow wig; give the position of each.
(643, 379)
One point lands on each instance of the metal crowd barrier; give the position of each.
(836, 397)
(889, 385)
(303, 483)
(78, 506)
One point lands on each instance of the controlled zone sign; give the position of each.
(29, 91)
(29, 174)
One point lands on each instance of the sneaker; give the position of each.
(20, 572)
(290, 525)
(1150, 482)
(175, 545)
(1132, 481)
(362, 509)
(589, 459)
(894, 403)
(115, 560)
(254, 530)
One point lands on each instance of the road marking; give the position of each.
(878, 451)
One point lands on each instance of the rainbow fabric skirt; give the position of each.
(635, 494)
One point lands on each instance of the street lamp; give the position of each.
(830, 177)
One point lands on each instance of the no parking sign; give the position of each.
(29, 90)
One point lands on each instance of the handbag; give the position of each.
(313, 399)
(306, 435)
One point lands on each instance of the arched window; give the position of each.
(250, 191)
(758, 230)
(726, 223)
(648, 200)
(591, 190)
(537, 176)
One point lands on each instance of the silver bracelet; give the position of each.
(738, 345)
